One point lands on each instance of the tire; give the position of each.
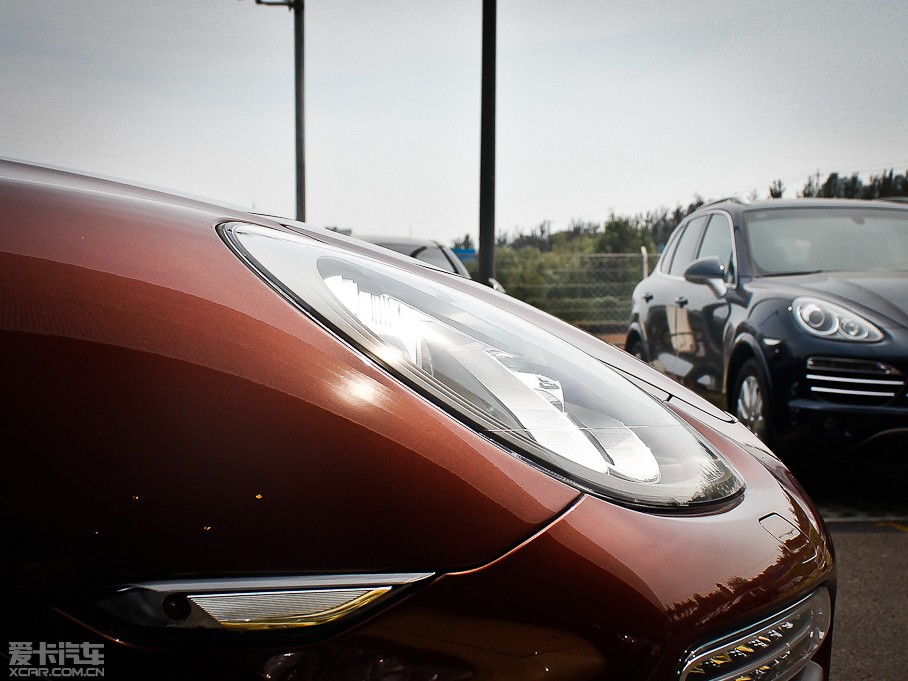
(635, 348)
(751, 402)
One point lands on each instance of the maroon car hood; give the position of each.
(167, 402)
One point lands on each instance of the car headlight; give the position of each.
(522, 386)
(827, 320)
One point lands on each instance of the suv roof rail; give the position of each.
(713, 202)
(897, 199)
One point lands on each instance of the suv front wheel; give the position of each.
(751, 401)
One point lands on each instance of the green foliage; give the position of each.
(880, 186)
(579, 237)
(540, 238)
(465, 243)
(586, 273)
(589, 290)
(624, 235)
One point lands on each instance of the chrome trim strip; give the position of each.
(836, 391)
(841, 379)
(852, 366)
(198, 586)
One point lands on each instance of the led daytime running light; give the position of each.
(772, 650)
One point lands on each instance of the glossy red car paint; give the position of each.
(169, 416)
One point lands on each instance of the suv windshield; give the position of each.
(802, 240)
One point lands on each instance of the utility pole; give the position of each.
(299, 61)
(298, 9)
(487, 147)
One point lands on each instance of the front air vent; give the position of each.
(854, 381)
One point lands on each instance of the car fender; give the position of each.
(765, 325)
(748, 340)
(636, 328)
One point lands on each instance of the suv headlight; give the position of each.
(529, 389)
(827, 320)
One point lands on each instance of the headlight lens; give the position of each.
(822, 318)
(523, 386)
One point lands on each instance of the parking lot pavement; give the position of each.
(872, 608)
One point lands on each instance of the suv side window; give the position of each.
(717, 242)
(687, 246)
(434, 256)
(666, 258)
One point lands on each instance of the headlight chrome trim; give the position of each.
(824, 319)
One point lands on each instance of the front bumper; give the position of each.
(603, 592)
(841, 394)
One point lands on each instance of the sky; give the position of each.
(604, 106)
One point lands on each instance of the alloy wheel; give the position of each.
(750, 408)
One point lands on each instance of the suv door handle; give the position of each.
(681, 301)
(647, 296)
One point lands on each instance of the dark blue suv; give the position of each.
(792, 315)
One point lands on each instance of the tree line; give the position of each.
(886, 185)
(626, 234)
(569, 274)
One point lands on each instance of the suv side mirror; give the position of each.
(708, 271)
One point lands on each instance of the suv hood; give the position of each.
(883, 294)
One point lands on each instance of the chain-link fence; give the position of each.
(589, 290)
